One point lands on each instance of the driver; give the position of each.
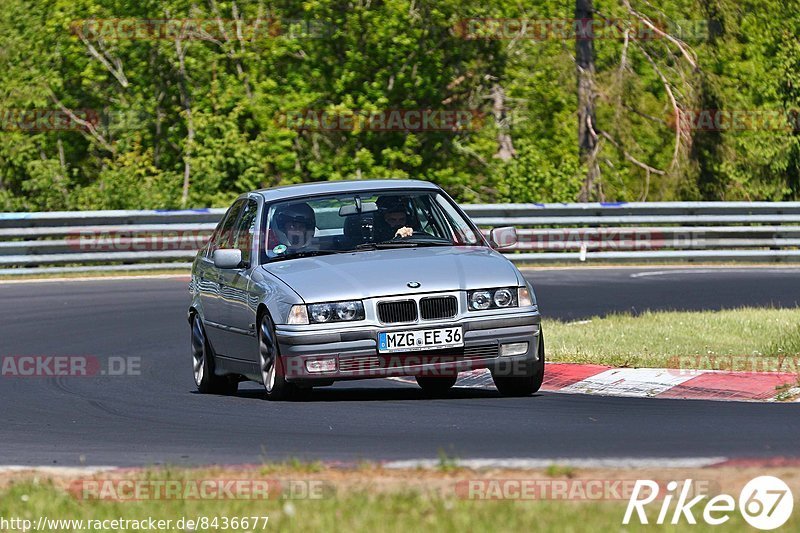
(395, 221)
(294, 228)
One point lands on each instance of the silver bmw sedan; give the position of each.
(304, 285)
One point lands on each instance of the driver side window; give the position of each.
(245, 230)
(223, 236)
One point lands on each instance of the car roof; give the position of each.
(285, 192)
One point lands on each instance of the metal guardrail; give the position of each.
(548, 233)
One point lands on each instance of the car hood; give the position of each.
(367, 274)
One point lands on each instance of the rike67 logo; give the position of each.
(765, 503)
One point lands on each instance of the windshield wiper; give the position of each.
(385, 244)
(306, 253)
(405, 243)
(427, 242)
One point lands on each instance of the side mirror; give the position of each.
(228, 258)
(503, 237)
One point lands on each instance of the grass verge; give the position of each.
(376, 499)
(746, 339)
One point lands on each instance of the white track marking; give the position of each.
(665, 268)
(480, 378)
(530, 463)
(619, 382)
(95, 278)
(668, 272)
(793, 394)
(480, 463)
(408, 380)
(638, 382)
(56, 470)
(475, 378)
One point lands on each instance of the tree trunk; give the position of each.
(505, 145)
(187, 103)
(587, 125)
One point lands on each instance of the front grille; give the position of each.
(394, 312)
(481, 351)
(358, 363)
(438, 307)
(442, 355)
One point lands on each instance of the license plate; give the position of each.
(416, 340)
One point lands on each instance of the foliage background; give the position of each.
(212, 105)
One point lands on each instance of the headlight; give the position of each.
(347, 310)
(503, 298)
(492, 298)
(320, 312)
(336, 312)
(480, 300)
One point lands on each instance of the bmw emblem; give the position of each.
(413, 284)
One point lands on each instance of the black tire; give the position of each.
(436, 384)
(523, 385)
(271, 363)
(205, 379)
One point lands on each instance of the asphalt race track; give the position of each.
(582, 293)
(156, 417)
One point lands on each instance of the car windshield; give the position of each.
(364, 221)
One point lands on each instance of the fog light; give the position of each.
(514, 348)
(321, 365)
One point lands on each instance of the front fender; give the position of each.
(274, 294)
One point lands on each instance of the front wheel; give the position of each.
(523, 385)
(270, 362)
(203, 362)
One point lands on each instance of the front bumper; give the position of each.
(357, 357)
